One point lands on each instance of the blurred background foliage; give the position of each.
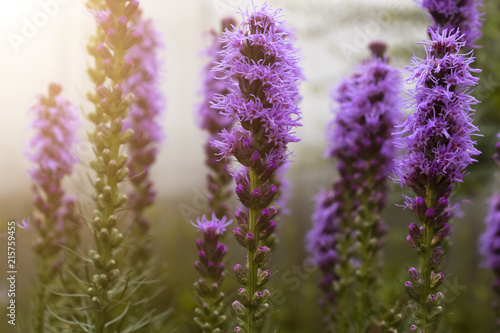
(294, 309)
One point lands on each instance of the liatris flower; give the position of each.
(490, 240)
(437, 139)
(455, 14)
(210, 315)
(213, 122)
(51, 151)
(144, 121)
(347, 231)
(262, 64)
(108, 286)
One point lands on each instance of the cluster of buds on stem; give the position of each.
(115, 36)
(210, 314)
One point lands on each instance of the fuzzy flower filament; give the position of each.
(438, 144)
(51, 147)
(452, 15)
(210, 314)
(347, 232)
(109, 46)
(213, 122)
(261, 64)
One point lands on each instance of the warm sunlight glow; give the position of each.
(12, 12)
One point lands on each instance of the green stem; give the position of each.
(104, 246)
(425, 259)
(364, 299)
(252, 266)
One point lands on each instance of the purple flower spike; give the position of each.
(361, 140)
(259, 63)
(211, 253)
(490, 240)
(213, 122)
(438, 148)
(263, 90)
(453, 15)
(51, 151)
(56, 122)
(143, 119)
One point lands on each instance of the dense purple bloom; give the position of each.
(361, 141)
(454, 14)
(261, 65)
(210, 315)
(438, 144)
(144, 120)
(263, 90)
(215, 83)
(437, 136)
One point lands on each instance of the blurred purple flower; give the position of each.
(55, 123)
(490, 240)
(489, 244)
(361, 141)
(144, 119)
(214, 83)
(51, 150)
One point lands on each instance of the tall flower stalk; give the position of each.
(210, 315)
(109, 284)
(348, 230)
(453, 14)
(51, 147)
(144, 114)
(214, 83)
(261, 64)
(438, 144)
(490, 242)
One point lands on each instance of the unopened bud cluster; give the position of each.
(115, 36)
(210, 314)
